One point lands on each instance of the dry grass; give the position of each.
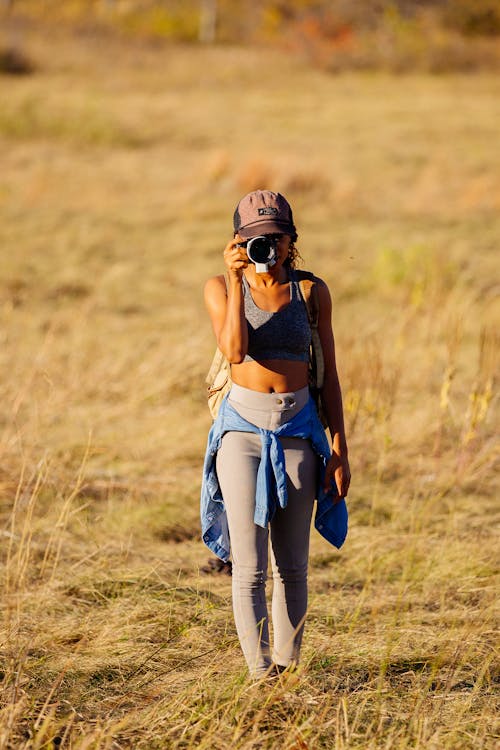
(121, 165)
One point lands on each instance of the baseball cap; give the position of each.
(263, 212)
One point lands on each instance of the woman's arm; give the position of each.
(226, 305)
(331, 396)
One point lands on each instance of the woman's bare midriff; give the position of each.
(271, 375)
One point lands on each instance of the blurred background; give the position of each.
(432, 35)
(128, 133)
(131, 129)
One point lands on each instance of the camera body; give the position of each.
(261, 251)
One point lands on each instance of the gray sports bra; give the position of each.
(285, 334)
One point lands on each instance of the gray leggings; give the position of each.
(237, 464)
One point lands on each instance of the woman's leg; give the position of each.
(290, 529)
(237, 464)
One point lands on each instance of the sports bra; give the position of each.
(284, 334)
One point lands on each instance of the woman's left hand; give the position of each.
(337, 471)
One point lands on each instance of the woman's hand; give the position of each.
(235, 257)
(337, 471)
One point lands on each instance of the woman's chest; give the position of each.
(270, 300)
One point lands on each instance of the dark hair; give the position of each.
(294, 256)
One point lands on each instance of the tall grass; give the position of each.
(112, 637)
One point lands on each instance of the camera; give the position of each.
(261, 251)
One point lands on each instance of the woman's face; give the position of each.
(283, 247)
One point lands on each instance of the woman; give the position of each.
(268, 457)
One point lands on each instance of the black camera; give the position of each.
(261, 250)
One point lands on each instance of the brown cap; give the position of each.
(263, 212)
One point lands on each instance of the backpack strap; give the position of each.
(309, 290)
(218, 363)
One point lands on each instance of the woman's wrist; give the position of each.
(341, 455)
(235, 276)
(339, 445)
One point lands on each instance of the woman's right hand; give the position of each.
(235, 257)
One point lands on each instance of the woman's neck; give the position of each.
(276, 275)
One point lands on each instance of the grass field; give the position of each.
(121, 164)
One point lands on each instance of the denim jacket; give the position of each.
(330, 519)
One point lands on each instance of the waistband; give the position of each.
(267, 410)
(269, 401)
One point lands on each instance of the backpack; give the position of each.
(219, 375)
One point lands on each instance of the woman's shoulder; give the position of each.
(309, 276)
(315, 288)
(216, 281)
(216, 286)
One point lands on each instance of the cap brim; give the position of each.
(264, 227)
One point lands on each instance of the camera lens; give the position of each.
(261, 249)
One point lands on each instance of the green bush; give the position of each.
(160, 22)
